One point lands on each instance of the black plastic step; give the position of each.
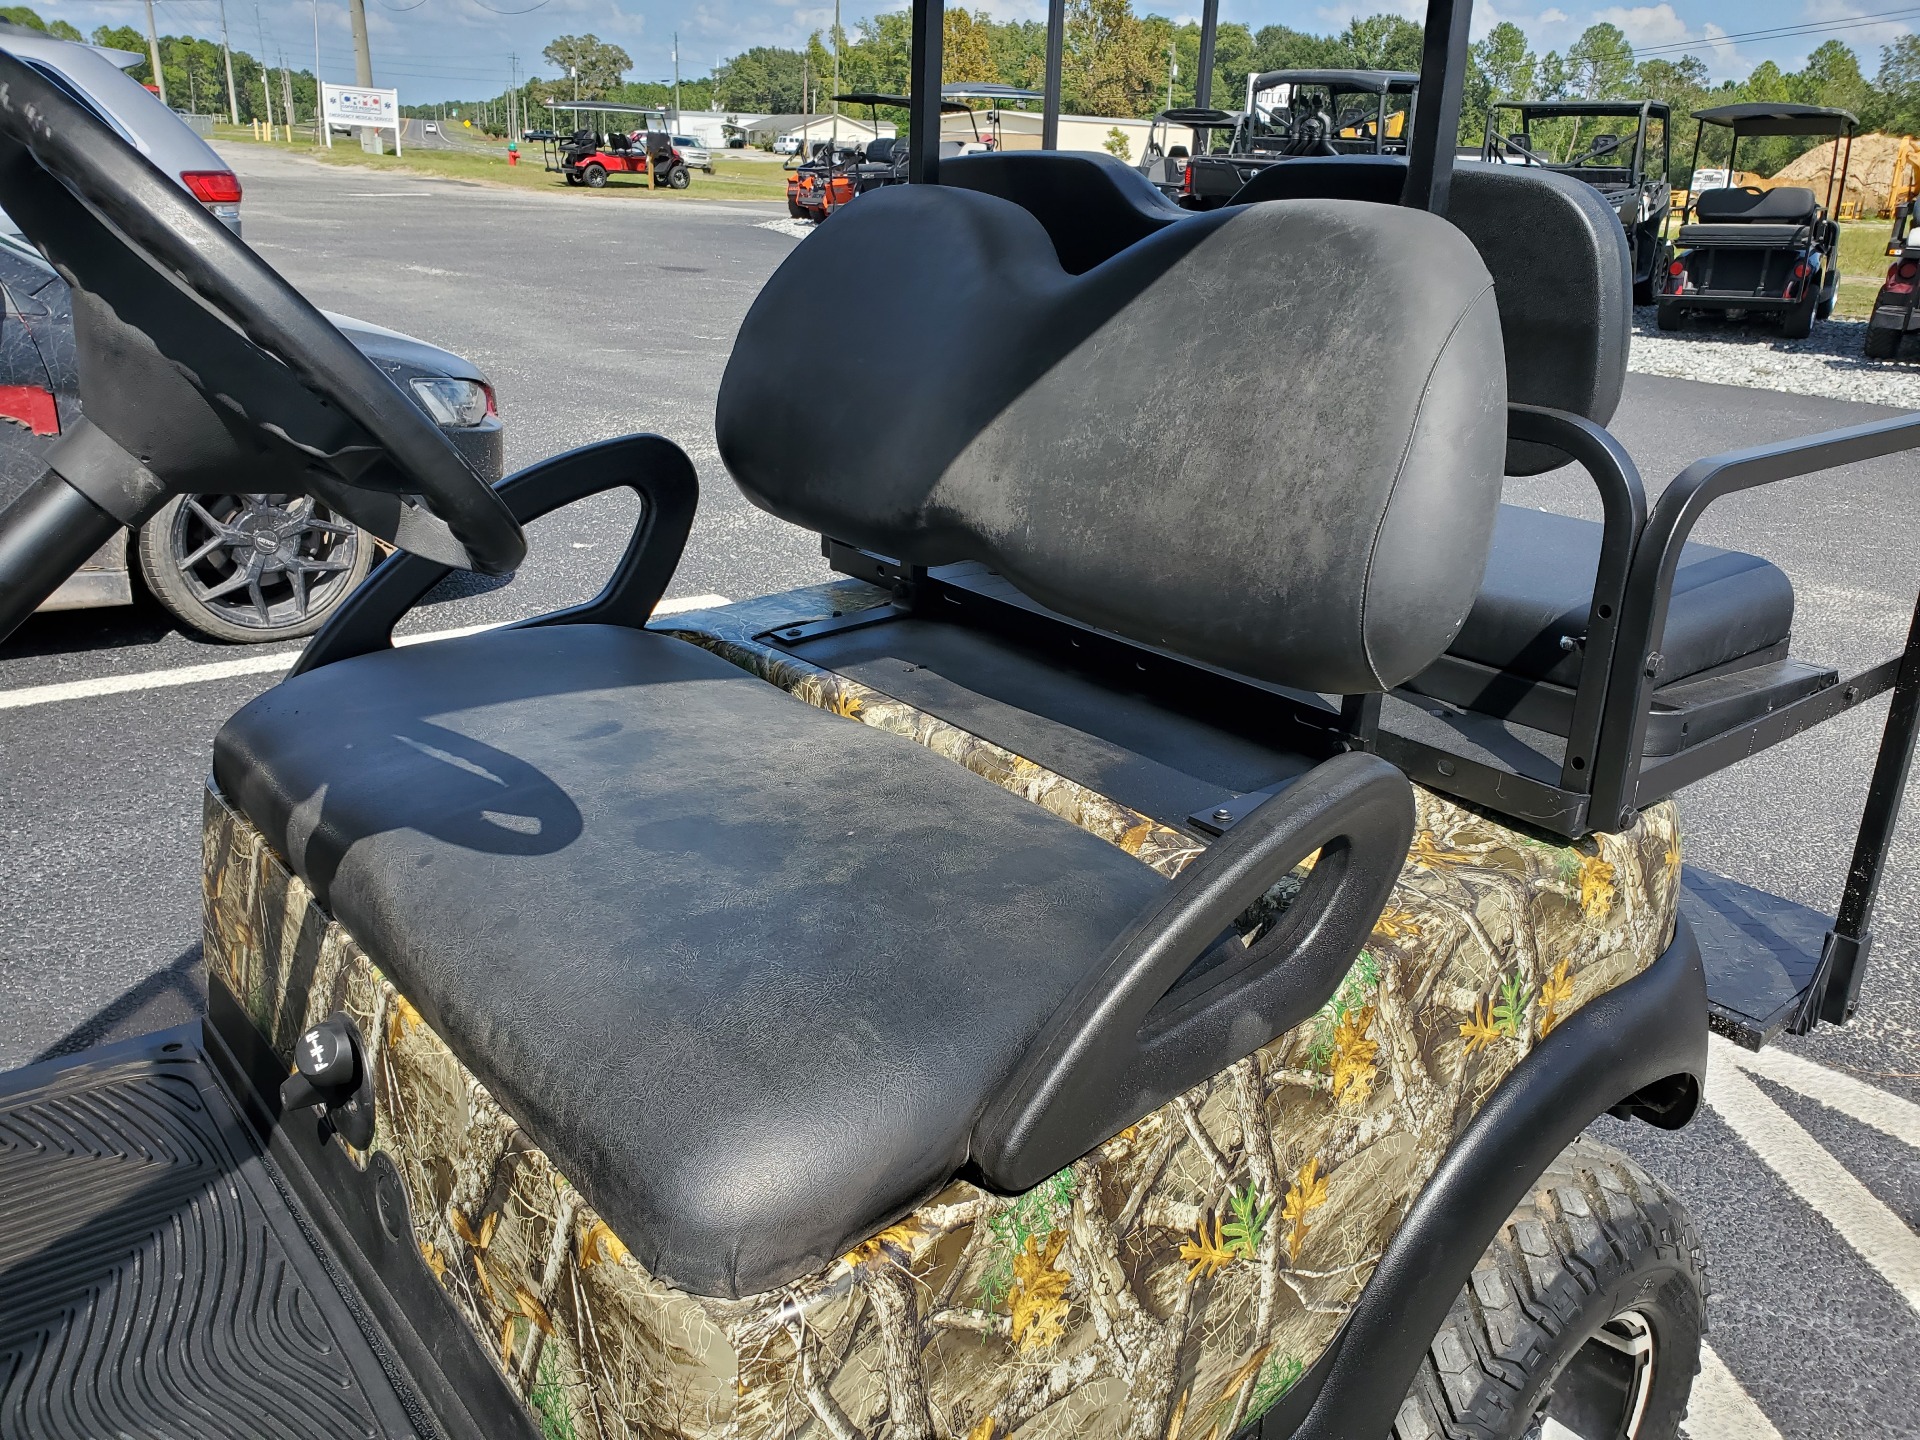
(154, 1281)
(1760, 952)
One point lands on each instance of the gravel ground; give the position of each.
(798, 229)
(1830, 362)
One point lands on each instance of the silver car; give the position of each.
(697, 156)
(199, 557)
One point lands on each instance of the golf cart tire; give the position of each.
(573, 179)
(595, 177)
(1598, 1239)
(1883, 342)
(1644, 291)
(160, 569)
(1669, 317)
(678, 178)
(1797, 323)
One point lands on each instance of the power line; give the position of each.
(1780, 32)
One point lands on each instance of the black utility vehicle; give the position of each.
(1743, 251)
(1138, 954)
(1620, 147)
(1175, 137)
(1294, 113)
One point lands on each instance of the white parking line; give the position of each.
(29, 695)
(1865, 1222)
(1886, 1113)
(1720, 1407)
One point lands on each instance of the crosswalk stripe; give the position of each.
(1889, 1114)
(1880, 1237)
(1720, 1407)
(29, 695)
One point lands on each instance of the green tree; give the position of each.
(1600, 64)
(966, 50)
(1109, 67)
(1379, 42)
(765, 78)
(1898, 82)
(1499, 67)
(22, 15)
(598, 66)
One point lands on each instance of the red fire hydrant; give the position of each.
(513, 154)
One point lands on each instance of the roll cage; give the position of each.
(1626, 162)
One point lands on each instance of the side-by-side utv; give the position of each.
(1135, 956)
(1620, 147)
(1295, 113)
(1745, 251)
(1175, 137)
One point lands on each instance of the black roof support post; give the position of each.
(1843, 958)
(1056, 51)
(1209, 31)
(923, 144)
(1436, 113)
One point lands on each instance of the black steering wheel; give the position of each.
(203, 371)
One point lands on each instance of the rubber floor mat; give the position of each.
(153, 1281)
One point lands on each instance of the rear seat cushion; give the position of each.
(1787, 205)
(1539, 586)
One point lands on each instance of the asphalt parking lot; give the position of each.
(596, 319)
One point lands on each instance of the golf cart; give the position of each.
(1295, 113)
(1060, 978)
(1620, 147)
(1163, 160)
(1750, 251)
(596, 149)
(1893, 308)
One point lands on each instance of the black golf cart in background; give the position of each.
(1175, 137)
(1291, 114)
(1743, 251)
(1137, 955)
(1621, 148)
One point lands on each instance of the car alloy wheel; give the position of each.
(252, 567)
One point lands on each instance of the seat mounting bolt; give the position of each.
(1223, 814)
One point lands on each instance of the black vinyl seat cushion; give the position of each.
(748, 971)
(1775, 237)
(1539, 587)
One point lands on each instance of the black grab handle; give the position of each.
(653, 467)
(1140, 1030)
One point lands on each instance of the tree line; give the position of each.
(1115, 62)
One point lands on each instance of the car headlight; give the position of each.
(456, 404)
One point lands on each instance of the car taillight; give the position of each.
(1676, 268)
(1186, 180)
(212, 187)
(1908, 269)
(1802, 270)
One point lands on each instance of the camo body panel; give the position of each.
(1179, 1277)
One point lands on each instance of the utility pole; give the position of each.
(363, 72)
(676, 78)
(226, 49)
(266, 81)
(286, 95)
(1173, 69)
(836, 75)
(153, 53)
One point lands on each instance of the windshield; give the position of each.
(1600, 149)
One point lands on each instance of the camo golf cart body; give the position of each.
(1621, 148)
(1117, 962)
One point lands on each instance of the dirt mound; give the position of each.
(1869, 175)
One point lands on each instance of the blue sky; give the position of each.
(441, 49)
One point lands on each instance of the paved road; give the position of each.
(597, 320)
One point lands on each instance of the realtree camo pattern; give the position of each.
(1179, 1278)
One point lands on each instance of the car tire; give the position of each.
(1593, 1295)
(1883, 342)
(594, 177)
(1669, 317)
(678, 178)
(169, 540)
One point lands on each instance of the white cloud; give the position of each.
(1645, 24)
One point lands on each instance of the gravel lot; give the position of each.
(1829, 363)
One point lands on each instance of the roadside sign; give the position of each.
(360, 108)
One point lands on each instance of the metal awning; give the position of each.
(606, 107)
(967, 90)
(869, 97)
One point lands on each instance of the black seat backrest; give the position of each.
(1787, 205)
(880, 151)
(1557, 253)
(1560, 265)
(1320, 518)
